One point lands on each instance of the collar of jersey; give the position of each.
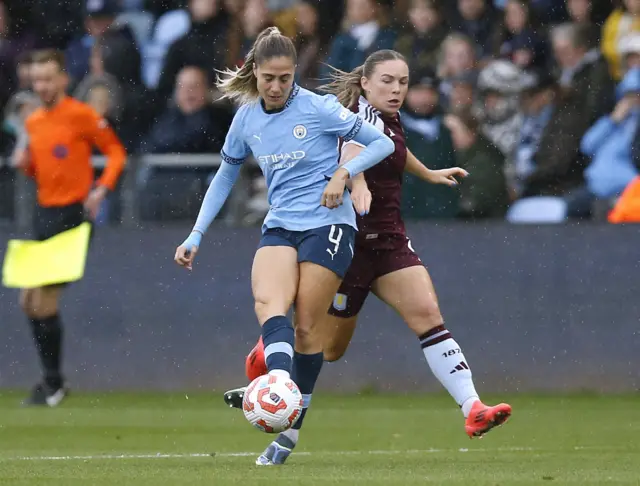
(366, 102)
(294, 91)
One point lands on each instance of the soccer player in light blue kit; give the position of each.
(308, 234)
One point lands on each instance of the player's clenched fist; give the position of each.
(184, 257)
(334, 192)
(186, 253)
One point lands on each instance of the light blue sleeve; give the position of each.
(597, 135)
(234, 151)
(214, 199)
(338, 120)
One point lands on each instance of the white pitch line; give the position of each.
(160, 455)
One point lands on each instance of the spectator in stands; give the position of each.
(635, 149)
(159, 7)
(23, 70)
(484, 193)
(188, 125)
(629, 51)
(255, 18)
(549, 162)
(20, 105)
(457, 59)
(99, 22)
(308, 44)
(365, 33)
(479, 20)
(430, 140)
(100, 89)
(137, 108)
(609, 142)
(462, 92)
(584, 72)
(499, 86)
(283, 13)
(547, 11)
(538, 99)
(517, 38)
(204, 45)
(621, 22)
(235, 11)
(428, 29)
(11, 46)
(590, 13)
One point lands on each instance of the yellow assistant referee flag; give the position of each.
(60, 259)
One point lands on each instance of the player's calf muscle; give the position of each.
(337, 334)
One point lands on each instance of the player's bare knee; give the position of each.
(268, 306)
(266, 309)
(305, 331)
(26, 301)
(425, 317)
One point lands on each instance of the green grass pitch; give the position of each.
(192, 439)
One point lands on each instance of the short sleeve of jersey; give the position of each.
(235, 150)
(336, 119)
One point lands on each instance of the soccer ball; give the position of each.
(272, 403)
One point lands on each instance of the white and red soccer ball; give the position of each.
(272, 404)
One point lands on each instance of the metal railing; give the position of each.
(129, 194)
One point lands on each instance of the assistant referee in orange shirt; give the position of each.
(60, 138)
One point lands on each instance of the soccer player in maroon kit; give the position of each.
(385, 262)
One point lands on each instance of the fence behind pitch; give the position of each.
(549, 308)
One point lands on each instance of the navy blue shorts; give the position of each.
(329, 246)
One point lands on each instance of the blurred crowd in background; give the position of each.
(537, 99)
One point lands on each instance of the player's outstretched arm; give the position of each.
(214, 199)
(234, 152)
(339, 121)
(377, 148)
(447, 177)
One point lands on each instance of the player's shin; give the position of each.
(306, 369)
(450, 367)
(278, 337)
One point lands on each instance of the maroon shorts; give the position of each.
(368, 265)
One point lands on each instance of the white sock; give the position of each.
(280, 373)
(449, 366)
(292, 435)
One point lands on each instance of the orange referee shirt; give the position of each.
(60, 148)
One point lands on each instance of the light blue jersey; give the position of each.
(297, 150)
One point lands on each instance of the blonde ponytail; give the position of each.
(240, 84)
(345, 86)
(348, 86)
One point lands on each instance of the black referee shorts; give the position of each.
(51, 221)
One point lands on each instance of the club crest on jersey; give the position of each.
(299, 131)
(60, 151)
(340, 302)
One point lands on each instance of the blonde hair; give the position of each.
(240, 84)
(347, 86)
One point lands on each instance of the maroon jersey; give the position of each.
(384, 221)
